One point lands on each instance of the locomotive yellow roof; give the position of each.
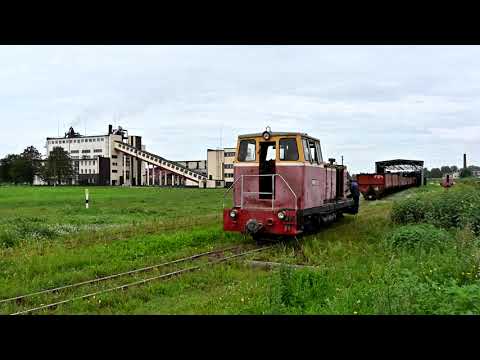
(276, 134)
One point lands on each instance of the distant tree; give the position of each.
(435, 173)
(464, 173)
(454, 168)
(31, 157)
(18, 169)
(5, 166)
(58, 167)
(445, 170)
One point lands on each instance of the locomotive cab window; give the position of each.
(247, 150)
(319, 151)
(313, 151)
(288, 149)
(306, 150)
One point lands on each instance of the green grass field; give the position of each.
(49, 239)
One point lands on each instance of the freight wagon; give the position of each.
(374, 186)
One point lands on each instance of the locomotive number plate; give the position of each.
(315, 182)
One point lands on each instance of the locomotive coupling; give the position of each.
(253, 226)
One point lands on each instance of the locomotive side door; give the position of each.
(267, 167)
(340, 182)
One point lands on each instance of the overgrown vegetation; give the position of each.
(457, 207)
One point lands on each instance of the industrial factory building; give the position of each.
(220, 167)
(121, 159)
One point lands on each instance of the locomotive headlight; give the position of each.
(266, 135)
(375, 188)
(233, 214)
(282, 215)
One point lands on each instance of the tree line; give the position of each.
(444, 170)
(22, 168)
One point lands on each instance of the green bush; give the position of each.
(410, 210)
(454, 208)
(424, 236)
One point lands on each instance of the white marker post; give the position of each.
(86, 198)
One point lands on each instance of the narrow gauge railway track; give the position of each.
(220, 259)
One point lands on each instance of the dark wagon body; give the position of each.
(281, 185)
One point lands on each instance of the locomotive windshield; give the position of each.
(288, 149)
(247, 150)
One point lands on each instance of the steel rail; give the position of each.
(121, 287)
(113, 276)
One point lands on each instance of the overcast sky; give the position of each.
(367, 103)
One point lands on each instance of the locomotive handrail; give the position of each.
(226, 192)
(259, 192)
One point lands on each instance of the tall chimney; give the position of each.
(110, 129)
(464, 161)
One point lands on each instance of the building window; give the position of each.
(247, 150)
(114, 171)
(228, 166)
(97, 150)
(114, 156)
(229, 154)
(86, 151)
(93, 162)
(74, 151)
(114, 164)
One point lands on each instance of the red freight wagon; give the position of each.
(374, 186)
(282, 186)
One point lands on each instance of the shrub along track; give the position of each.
(213, 257)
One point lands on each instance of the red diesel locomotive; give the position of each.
(374, 186)
(282, 186)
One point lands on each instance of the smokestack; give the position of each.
(110, 129)
(464, 161)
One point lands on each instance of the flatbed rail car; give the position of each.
(375, 186)
(282, 186)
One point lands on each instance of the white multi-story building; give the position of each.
(220, 167)
(119, 159)
(97, 160)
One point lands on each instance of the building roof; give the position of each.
(398, 164)
(77, 137)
